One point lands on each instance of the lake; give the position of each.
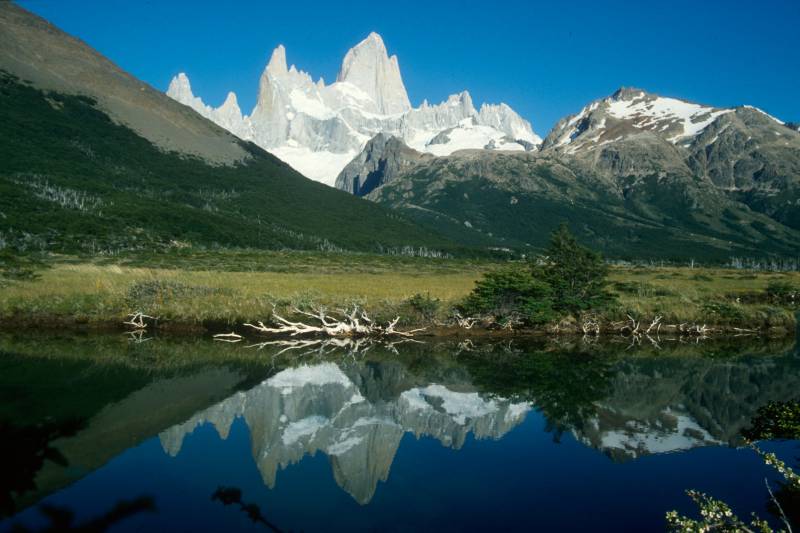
(188, 434)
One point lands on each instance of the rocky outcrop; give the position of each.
(743, 152)
(383, 158)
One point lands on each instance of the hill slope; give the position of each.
(91, 159)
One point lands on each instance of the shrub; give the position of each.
(724, 311)
(424, 305)
(576, 275)
(19, 267)
(776, 420)
(156, 291)
(511, 292)
(781, 291)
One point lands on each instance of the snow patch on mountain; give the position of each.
(319, 128)
(631, 111)
(649, 113)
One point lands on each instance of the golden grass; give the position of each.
(94, 292)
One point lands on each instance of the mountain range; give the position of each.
(94, 160)
(635, 173)
(319, 128)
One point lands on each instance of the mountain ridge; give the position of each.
(76, 176)
(35, 50)
(634, 173)
(319, 128)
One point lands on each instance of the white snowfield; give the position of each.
(319, 128)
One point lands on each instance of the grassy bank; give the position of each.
(227, 289)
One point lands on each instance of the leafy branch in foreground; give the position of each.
(776, 420)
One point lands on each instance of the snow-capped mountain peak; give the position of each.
(319, 128)
(630, 111)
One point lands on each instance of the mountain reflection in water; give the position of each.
(353, 415)
(321, 407)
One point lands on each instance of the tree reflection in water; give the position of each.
(233, 496)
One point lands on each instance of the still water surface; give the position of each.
(449, 436)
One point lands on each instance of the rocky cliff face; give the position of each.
(369, 67)
(319, 128)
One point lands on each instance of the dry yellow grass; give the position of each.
(94, 292)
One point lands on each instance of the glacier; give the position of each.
(318, 128)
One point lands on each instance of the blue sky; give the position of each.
(545, 59)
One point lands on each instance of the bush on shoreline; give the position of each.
(568, 280)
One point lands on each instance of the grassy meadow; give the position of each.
(224, 289)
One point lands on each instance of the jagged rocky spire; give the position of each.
(319, 128)
(369, 67)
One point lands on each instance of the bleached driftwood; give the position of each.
(137, 320)
(228, 337)
(323, 347)
(354, 323)
(656, 323)
(465, 322)
(137, 336)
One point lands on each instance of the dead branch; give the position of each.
(227, 337)
(465, 322)
(655, 323)
(137, 320)
(354, 323)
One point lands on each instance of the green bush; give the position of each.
(776, 420)
(781, 291)
(511, 292)
(723, 311)
(19, 267)
(424, 305)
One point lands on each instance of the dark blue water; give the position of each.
(412, 444)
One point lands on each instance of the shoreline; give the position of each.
(87, 296)
(53, 323)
